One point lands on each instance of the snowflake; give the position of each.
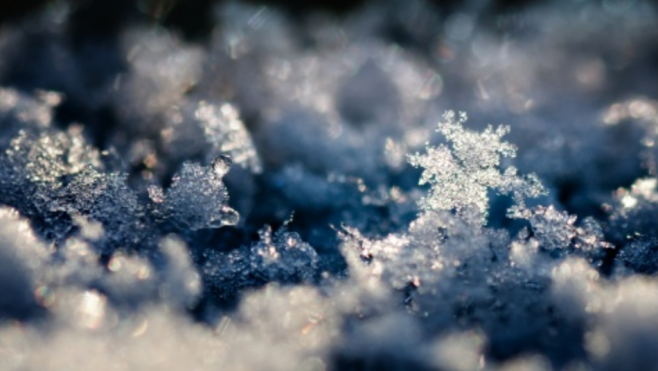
(462, 173)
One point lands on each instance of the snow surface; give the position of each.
(308, 194)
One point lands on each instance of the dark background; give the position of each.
(193, 18)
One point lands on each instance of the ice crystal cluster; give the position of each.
(461, 175)
(302, 190)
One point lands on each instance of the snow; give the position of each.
(307, 192)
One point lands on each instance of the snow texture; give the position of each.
(303, 191)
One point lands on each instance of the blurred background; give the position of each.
(193, 17)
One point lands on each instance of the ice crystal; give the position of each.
(121, 140)
(278, 257)
(557, 230)
(200, 129)
(105, 198)
(462, 173)
(640, 255)
(198, 198)
(53, 155)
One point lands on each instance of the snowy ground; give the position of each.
(403, 186)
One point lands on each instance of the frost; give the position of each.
(198, 198)
(123, 134)
(557, 230)
(278, 257)
(208, 130)
(461, 174)
(106, 198)
(640, 256)
(54, 155)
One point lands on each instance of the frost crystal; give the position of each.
(558, 230)
(461, 174)
(641, 256)
(53, 155)
(120, 248)
(198, 198)
(278, 257)
(105, 198)
(553, 229)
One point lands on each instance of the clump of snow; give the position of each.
(197, 197)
